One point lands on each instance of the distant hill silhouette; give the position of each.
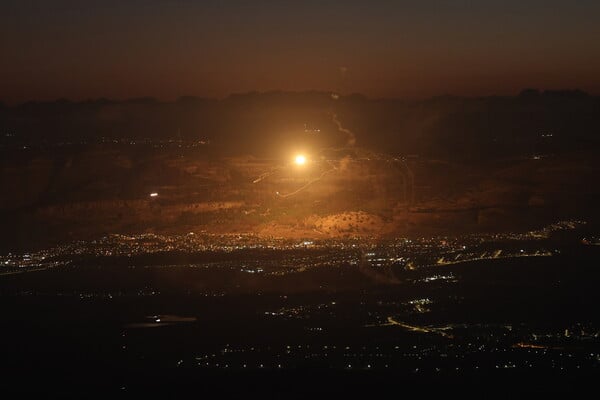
(266, 124)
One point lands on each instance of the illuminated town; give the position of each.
(298, 255)
(413, 299)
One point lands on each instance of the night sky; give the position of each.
(90, 49)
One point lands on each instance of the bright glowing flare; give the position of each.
(300, 159)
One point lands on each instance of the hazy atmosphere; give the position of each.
(166, 49)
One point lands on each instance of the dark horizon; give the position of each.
(269, 123)
(561, 91)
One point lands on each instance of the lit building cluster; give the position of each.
(277, 256)
(453, 357)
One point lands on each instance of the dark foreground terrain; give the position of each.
(170, 322)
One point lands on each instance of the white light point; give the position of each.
(300, 159)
